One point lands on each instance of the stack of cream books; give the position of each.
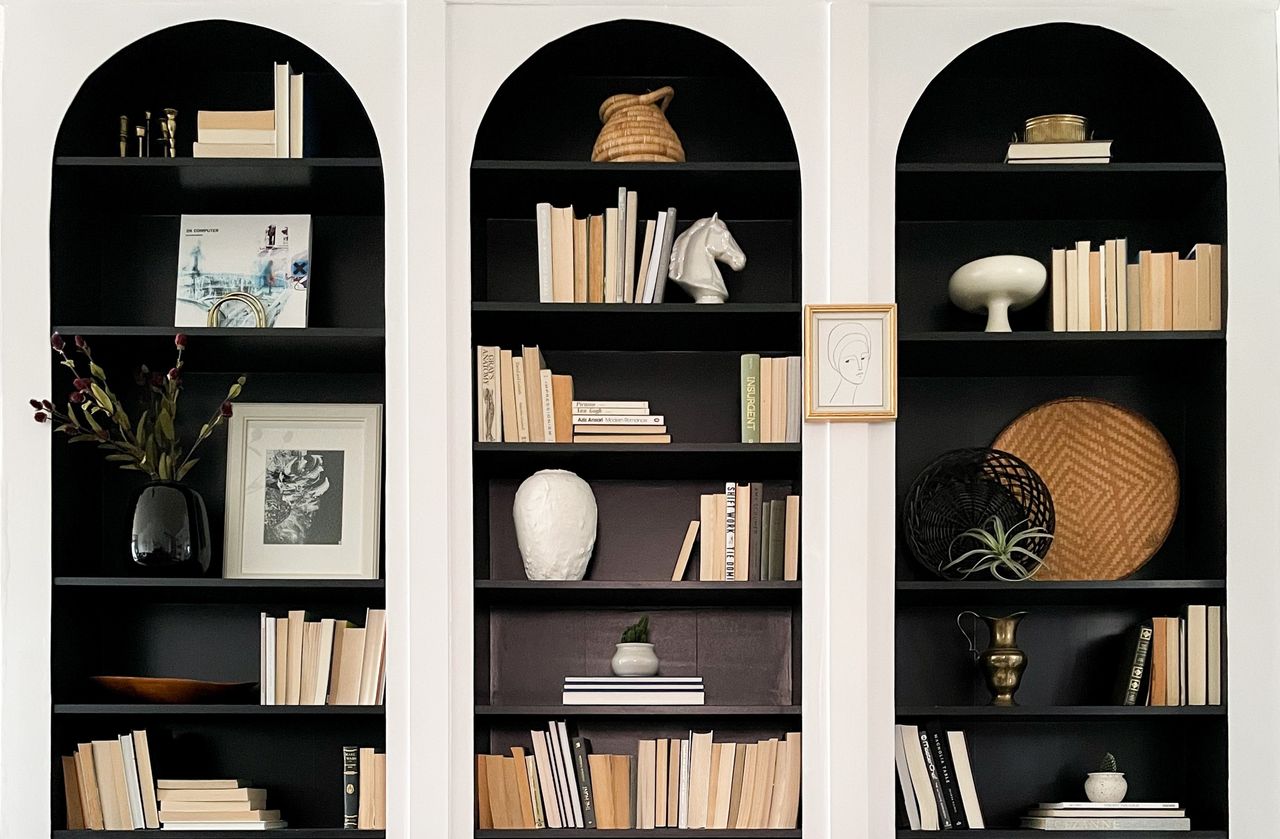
(322, 662)
(214, 804)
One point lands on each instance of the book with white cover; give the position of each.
(282, 73)
(619, 419)
(1092, 151)
(1108, 814)
(650, 278)
(543, 216)
(910, 736)
(664, 255)
(609, 407)
(1118, 805)
(1118, 823)
(633, 680)
(256, 269)
(132, 787)
(295, 115)
(634, 697)
(189, 826)
(964, 778)
(904, 781)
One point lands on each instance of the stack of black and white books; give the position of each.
(1125, 815)
(633, 690)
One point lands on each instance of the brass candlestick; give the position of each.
(1002, 663)
(124, 136)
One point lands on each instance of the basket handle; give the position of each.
(662, 96)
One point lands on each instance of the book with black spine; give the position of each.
(581, 748)
(945, 765)
(766, 539)
(730, 525)
(752, 557)
(935, 781)
(1131, 686)
(350, 787)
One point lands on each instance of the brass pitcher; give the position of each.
(1002, 663)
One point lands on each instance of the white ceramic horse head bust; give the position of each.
(695, 254)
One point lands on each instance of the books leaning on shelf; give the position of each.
(612, 257)
(689, 783)
(741, 536)
(1090, 815)
(364, 788)
(1183, 661)
(273, 133)
(322, 662)
(519, 400)
(935, 778)
(1102, 291)
(633, 690)
(1089, 151)
(109, 784)
(771, 399)
(215, 804)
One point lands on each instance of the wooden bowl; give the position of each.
(175, 691)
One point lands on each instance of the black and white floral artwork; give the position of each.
(303, 500)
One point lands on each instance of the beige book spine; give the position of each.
(368, 784)
(521, 399)
(375, 635)
(562, 407)
(713, 783)
(595, 260)
(791, 544)
(646, 248)
(602, 791)
(1147, 296)
(673, 783)
(718, 817)
(106, 782)
(579, 260)
(660, 781)
(506, 379)
(146, 778)
(612, 258)
(1082, 286)
(1095, 292)
(562, 254)
(1073, 291)
(533, 392)
(646, 765)
(522, 787)
(71, 791)
(778, 403)
(706, 546)
(767, 434)
(735, 795)
(88, 781)
(1122, 285)
(293, 673)
(629, 257)
(1184, 294)
(1113, 310)
(1215, 287)
(1133, 293)
(1058, 289)
(348, 690)
(718, 539)
(743, 819)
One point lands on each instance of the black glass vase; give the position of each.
(170, 530)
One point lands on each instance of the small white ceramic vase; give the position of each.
(555, 516)
(634, 659)
(997, 285)
(1106, 787)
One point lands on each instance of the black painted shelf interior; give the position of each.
(114, 239)
(960, 386)
(286, 833)
(558, 711)
(519, 167)
(1003, 833)
(638, 593)
(219, 710)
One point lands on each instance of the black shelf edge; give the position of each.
(1014, 833)
(287, 832)
(655, 833)
(327, 333)
(637, 585)
(1058, 713)
(216, 163)
(619, 169)
(214, 583)
(1059, 337)
(1062, 592)
(638, 448)
(1060, 585)
(635, 594)
(638, 308)
(557, 711)
(136, 709)
(1093, 168)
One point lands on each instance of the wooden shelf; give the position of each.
(211, 349)
(1061, 713)
(556, 711)
(931, 592)
(219, 710)
(636, 594)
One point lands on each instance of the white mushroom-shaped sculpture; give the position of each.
(996, 285)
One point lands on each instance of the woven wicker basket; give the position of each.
(636, 130)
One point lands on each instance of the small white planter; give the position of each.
(633, 659)
(1106, 787)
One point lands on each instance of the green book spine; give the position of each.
(761, 558)
(631, 817)
(777, 538)
(751, 398)
(751, 560)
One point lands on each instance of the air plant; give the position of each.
(1000, 551)
(93, 413)
(637, 633)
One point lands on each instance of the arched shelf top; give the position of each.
(970, 111)
(211, 65)
(548, 108)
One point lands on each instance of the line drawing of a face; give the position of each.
(849, 355)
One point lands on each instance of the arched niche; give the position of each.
(535, 140)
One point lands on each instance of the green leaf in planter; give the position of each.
(98, 372)
(101, 395)
(132, 467)
(185, 468)
(165, 467)
(88, 417)
(164, 424)
(121, 458)
(85, 438)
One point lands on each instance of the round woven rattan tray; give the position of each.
(1114, 482)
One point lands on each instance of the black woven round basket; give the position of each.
(963, 489)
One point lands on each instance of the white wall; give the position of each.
(50, 47)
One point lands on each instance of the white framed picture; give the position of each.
(851, 362)
(304, 492)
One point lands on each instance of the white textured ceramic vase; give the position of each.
(1106, 787)
(997, 285)
(634, 659)
(555, 515)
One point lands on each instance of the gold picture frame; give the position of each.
(849, 337)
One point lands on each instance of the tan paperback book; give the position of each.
(293, 664)
(699, 779)
(620, 775)
(146, 778)
(660, 781)
(718, 816)
(1112, 285)
(1082, 285)
(368, 783)
(484, 811)
(595, 259)
(71, 790)
(686, 550)
(1073, 291)
(522, 787)
(713, 782)
(243, 816)
(533, 392)
(791, 544)
(562, 407)
(1058, 290)
(646, 761)
(201, 783)
(706, 544)
(561, 255)
(1095, 291)
(87, 779)
(1184, 294)
(521, 390)
(347, 691)
(602, 790)
(767, 434)
(1133, 295)
(255, 795)
(375, 639)
(751, 755)
(735, 795)
(1122, 285)
(673, 783)
(579, 260)
(506, 378)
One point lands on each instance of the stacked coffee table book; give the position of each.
(214, 804)
(633, 690)
(1124, 815)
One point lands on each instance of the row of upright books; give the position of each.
(691, 783)
(935, 778)
(519, 400)
(604, 258)
(743, 537)
(364, 788)
(772, 399)
(1174, 660)
(322, 662)
(278, 132)
(1100, 290)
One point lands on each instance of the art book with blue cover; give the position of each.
(243, 270)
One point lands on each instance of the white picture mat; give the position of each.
(833, 391)
(255, 428)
